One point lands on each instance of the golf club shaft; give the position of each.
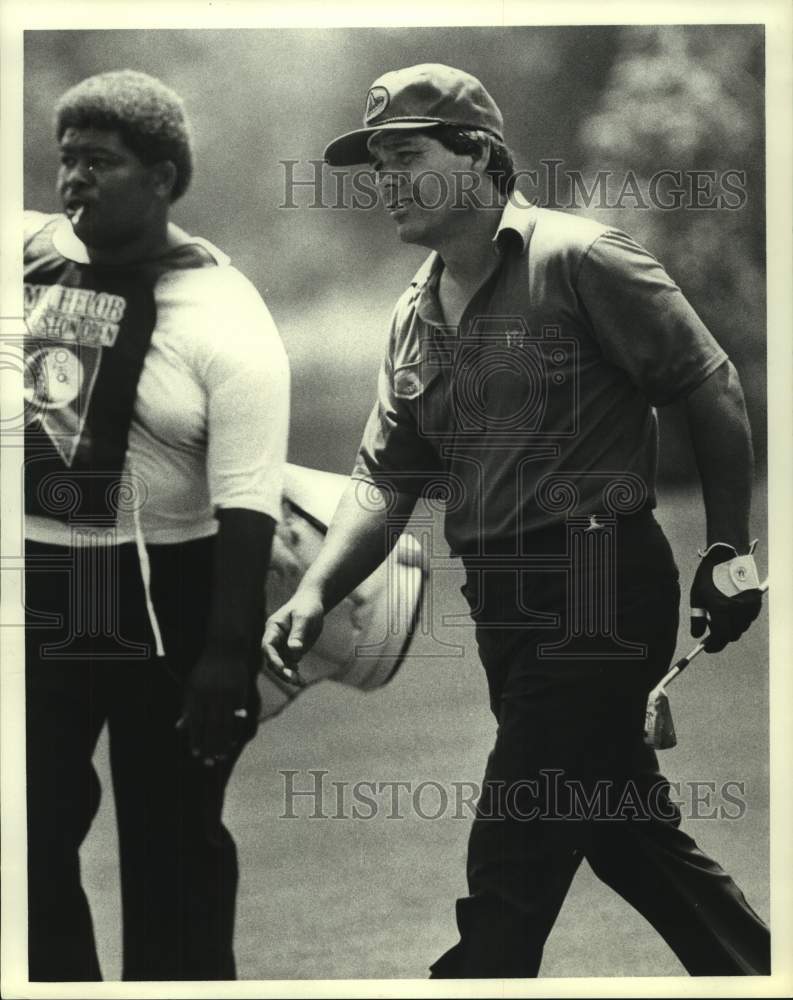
(681, 664)
(684, 661)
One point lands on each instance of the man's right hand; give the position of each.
(291, 631)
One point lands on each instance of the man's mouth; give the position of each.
(74, 209)
(397, 207)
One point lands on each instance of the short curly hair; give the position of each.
(149, 116)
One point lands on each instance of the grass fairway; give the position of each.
(374, 898)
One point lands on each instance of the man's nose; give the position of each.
(391, 182)
(76, 174)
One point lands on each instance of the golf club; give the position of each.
(659, 729)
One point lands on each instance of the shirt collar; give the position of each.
(70, 247)
(67, 244)
(424, 290)
(428, 270)
(518, 219)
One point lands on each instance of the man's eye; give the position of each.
(398, 161)
(67, 161)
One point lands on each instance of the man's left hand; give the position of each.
(216, 696)
(725, 596)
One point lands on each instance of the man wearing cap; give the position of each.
(523, 366)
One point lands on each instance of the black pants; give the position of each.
(96, 666)
(569, 776)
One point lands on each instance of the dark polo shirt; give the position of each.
(541, 404)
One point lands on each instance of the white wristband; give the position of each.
(726, 545)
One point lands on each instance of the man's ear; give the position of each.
(165, 174)
(480, 161)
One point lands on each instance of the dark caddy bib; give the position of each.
(88, 329)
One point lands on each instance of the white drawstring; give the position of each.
(145, 572)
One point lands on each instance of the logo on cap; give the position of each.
(376, 102)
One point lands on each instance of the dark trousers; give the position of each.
(97, 666)
(570, 777)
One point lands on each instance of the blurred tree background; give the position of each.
(629, 100)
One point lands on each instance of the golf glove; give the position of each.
(725, 595)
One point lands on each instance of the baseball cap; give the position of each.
(418, 97)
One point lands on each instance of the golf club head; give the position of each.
(659, 729)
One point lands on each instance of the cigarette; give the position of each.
(77, 215)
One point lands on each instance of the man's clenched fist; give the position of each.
(725, 596)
